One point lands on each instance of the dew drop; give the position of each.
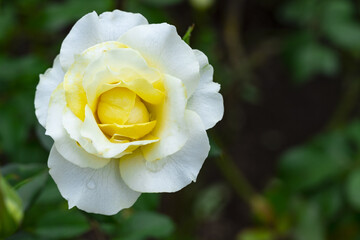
(91, 184)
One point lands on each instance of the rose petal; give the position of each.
(206, 101)
(48, 82)
(163, 48)
(170, 127)
(127, 67)
(66, 146)
(73, 79)
(72, 125)
(134, 131)
(99, 191)
(92, 29)
(173, 172)
(91, 131)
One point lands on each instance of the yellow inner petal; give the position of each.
(75, 94)
(120, 88)
(122, 114)
(145, 90)
(133, 131)
(115, 106)
(139, 113)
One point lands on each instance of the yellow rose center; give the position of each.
(123, 92)
(121, 106)
(123, 115)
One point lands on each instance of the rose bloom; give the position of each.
(128, 104)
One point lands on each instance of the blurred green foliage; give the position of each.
(314, 194)
(308, 193)
(11, 209)
(320, 21)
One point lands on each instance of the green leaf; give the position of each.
(339, 24)
(344, 34)
(202, 4)
(309, 224)
(147, 202)
(11, 212)
(30, 188)
(333, 11)
(333, 18)
(50, 195)
(280, 201)
(29, 4)
(7, 22)
(302, 12)
(144, 225)
(22, 236)
(279, 198)
(17, 172)
(12, 131)
(323, 159)
(307, 58)
(353, 189)
(256, 234)
(329, 201)
(59, 224)
(24, 69)
(303, 168)
(211, 201)
(353, 130)
(24, 101)
(30, 152)
(187, 35)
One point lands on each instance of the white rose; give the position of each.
(127, 104)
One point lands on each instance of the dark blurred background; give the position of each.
(285, 159)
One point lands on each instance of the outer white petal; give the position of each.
(67, 147)
(206, 100)
(163, 48)
(170, 127)
(173, 172)
(114, 24)
(92, 29)
(72, 125)
(92, 190)
(48, 82)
